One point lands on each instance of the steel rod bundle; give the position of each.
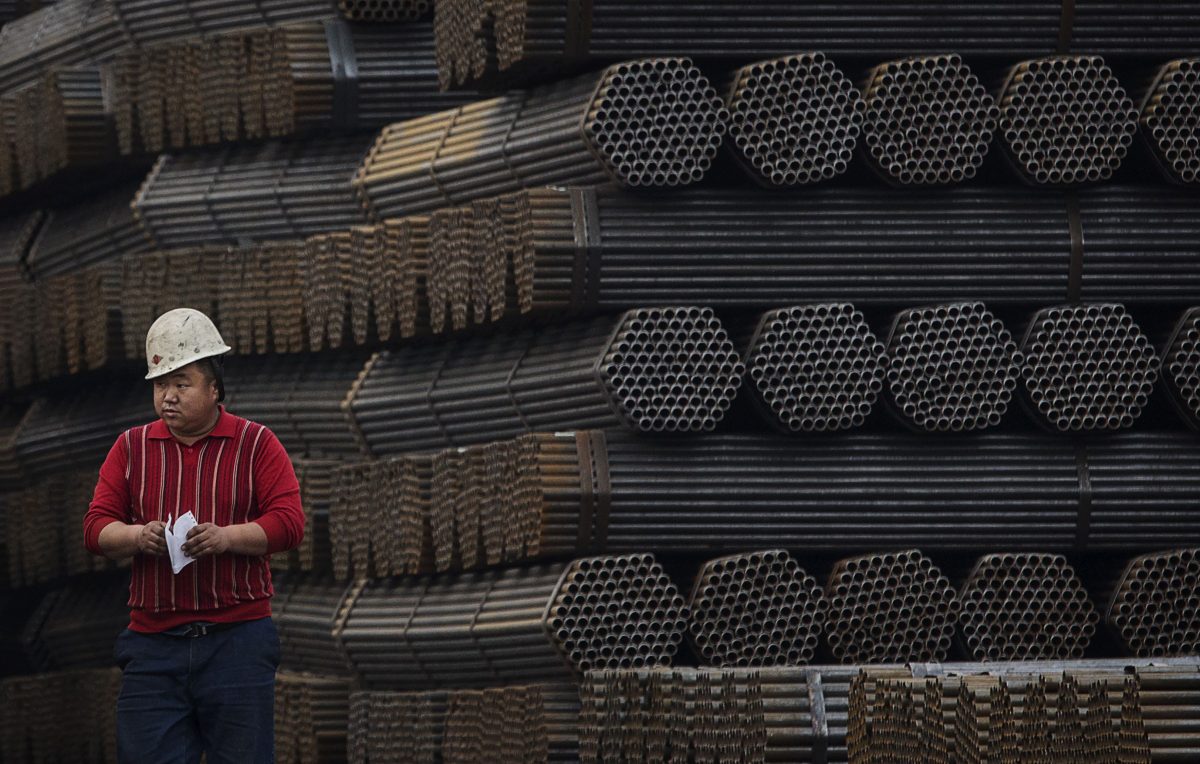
(515, 625)
(730, 492)
(654, 370)
(148, 21)
(1181, 366)
(92, 231)
(793, 120)
(646, 123)
(530, 723)
(271, 191)
(1155, 608)
(1025, 606)
(75, 626)
(258, 296)
(33, 708)
(71, 323)
(396, 726)
(815, 368)
(756, 609)
(311, 717)
(316, 478)
(16, 299)
(307, 609)
(1066, 120)
(1170, 119)
(156, 281)
(296, 79)
(1088, 367)
(928, 121)
(379, 521)
(890, 607)
(67, 33)
(951, 368)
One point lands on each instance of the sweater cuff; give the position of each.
(91, 539)
(277, 534)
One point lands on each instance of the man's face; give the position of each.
(185, 399)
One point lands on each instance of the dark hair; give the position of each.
(213, 370)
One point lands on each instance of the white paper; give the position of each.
(175, 537)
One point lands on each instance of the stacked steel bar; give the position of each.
(928, 121)
(16, 299)
(1155, 607)
(1025, 606)
(272, 191)
(651, 369)
(148, 21)
(311, 717)
(815, 368)
(275, 82)
(523, 723)
(95, 230)
(890, 607)
(756, 609)
(316, 478)
(951, 368)
(157, 281)
(1170, 119)
(393, 726)
(1088, 367)
(1066, 120)
(75, 626)
(516, 625)
(379, 518)
(793, 120)
(307, 609)
(385, 10)
(33, 709)
(258, 295)
(1181, 366)
(647, 123)
(68, 33)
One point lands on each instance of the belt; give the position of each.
(200, 629)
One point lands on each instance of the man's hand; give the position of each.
(206, 539)
(152, 539)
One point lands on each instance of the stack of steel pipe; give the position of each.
(311, 717)
(793, 120)
(15, 9)
(307, 609)
(271, 191)
(755, 609)
(379, 518)
(1181, 366)
(16, 299)
(316, 478)
(1066, 120)
(33, 707)
(890, 607)
(815, 368)
(91, 231)
(653, 370)
(529, 724)
(1025, 606)
(1171, 117)
(951, 368)
(731, 492)
(148, 21)
(73, 323)
(396, 726)
(928, 121)
(68, 33)
(75, 625)
(385, 10)
(544, 623)
(646, 123)
(156, 281)
(1087, 367)
(1155, 606)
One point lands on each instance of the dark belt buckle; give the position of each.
(196, 630)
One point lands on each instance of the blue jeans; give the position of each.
(213, 694)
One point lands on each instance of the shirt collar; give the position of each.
(225, 428)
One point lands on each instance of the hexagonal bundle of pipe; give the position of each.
(1181, 366)
(1066, 120)
(1087, 367)
(815, 368)
(928, 120)
(1170, 119)
(1025, 606)
(307, 609)
(892, 606)
(269, 191)
(311, 716)
(385, 11)
(951, 368)
(379, 519)
(647, 123)
(755, 609)
(654, 370)
(1155, 607)
(548, 622)
(793, 120)
(520, 723)
(396, 726)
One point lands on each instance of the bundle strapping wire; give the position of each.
(611, 491)
(652, 122)
(271, 191)
(1025, 606)
(1170, 119)
(311, 717)
(670, 369)
(1066, 120)
(1155, 607)
(545, 623)
(1181, 366)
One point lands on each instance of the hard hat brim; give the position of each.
(177, 365)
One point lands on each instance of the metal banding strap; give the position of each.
(1083, 526)
(1075, 273)
(437, 152)
(475, 622)
(820, 722)
(587, 495)
(603, 489)
(579, 29)
(1066, 26)
(585, 223)
(344, 64)
(512, 124)
(437, 375)
(508, 387)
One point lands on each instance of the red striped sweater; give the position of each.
(238, 473)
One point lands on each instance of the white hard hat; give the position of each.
(179, 337)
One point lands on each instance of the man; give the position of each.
(200, 653)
